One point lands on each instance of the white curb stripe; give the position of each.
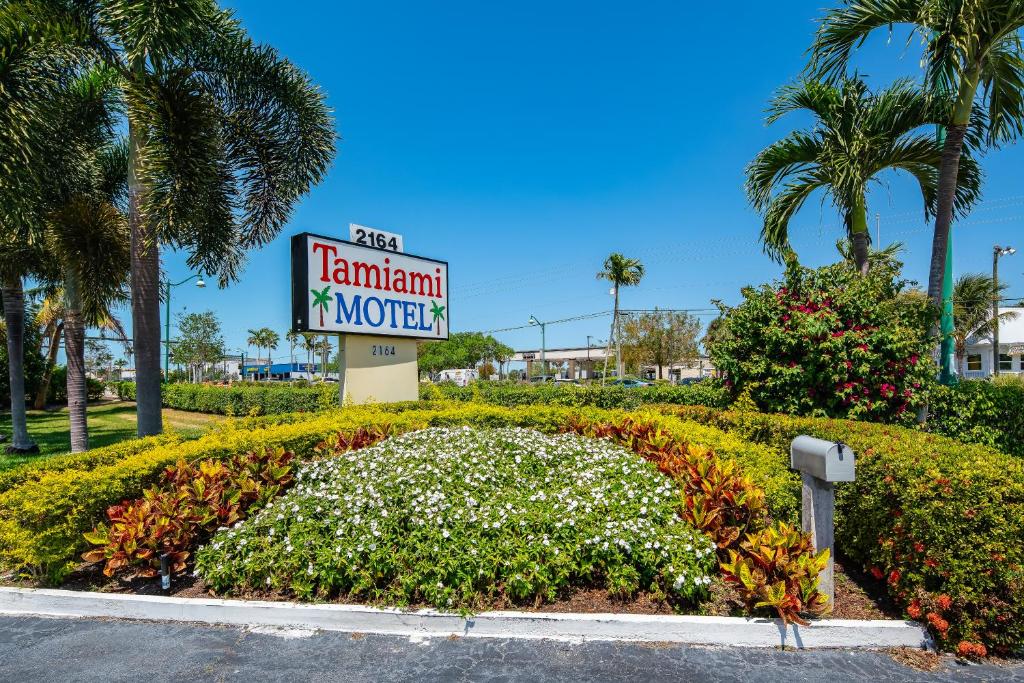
(831, 633)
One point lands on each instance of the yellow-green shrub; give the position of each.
(42, 519)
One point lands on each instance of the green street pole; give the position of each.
(167, 318)
(947, 352)
(167, 331)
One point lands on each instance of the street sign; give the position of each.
(377, 239)
(347, 288)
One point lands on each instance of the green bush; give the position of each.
(829, 342)
(57, 392)
(243, 398)
(937, 520)
(983, 412)
(707, 393)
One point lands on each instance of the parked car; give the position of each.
(686, 381)
(628, 382)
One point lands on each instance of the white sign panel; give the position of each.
(347, 288)
(372, 237)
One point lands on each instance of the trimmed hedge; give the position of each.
(938, 520)
(707, 393)
(42, 518)
(978, 411)
(244, 398)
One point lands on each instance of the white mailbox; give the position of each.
(825, 460)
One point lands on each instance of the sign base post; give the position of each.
(377, 369)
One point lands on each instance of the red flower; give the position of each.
(913, 359)
(894, 577)
(914, 611)
(944, 601)
(919, 547)
(877, 573)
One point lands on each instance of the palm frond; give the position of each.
(843, 30)
(794, 154)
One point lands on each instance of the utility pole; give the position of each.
(997, 252)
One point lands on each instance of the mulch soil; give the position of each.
(858, 596)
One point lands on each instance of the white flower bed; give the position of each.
(457, 517)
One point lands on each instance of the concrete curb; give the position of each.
(426, 623)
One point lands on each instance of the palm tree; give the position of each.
(270, 342)
(973, 65)
(323, 347)
(621, 272)
(34, 64)
(86, 236)
(856, 136)
(973, 294)
(292, 337)
(309, 344)
(225, 136)
(255, 338)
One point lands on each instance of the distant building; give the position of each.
(285, 371)
(977, 362)
(584, 363)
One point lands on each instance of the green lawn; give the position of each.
(109, 422)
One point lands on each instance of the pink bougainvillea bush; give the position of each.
(829, 342)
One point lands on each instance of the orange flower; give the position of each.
(944, 601)
(914, 611)
(968, 649)
(938, 623)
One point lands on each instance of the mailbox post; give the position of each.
(821, 463)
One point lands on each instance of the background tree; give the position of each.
(97, 357)
(49, 318)
(973, 294)
(974, 67)
(661, 338)
(323, 350)
(225, 136)
(309, 344)
(263, 338)
(462, 350)
(857, 135)
(200, 342)
(621, 271)
(292, 337)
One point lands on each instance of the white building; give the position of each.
(977, 362)
(584, 363)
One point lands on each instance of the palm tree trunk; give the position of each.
(618, 333)
(948, 170)
(74, 348)
(14, 314)
(145, 281)
(51, 364)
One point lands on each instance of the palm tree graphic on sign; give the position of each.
(438, 313)
(323, 300)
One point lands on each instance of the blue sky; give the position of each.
(525, 141)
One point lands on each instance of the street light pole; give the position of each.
(997, 251)
(543, 344)
(167, 315)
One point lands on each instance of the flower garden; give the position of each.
(468, 506)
